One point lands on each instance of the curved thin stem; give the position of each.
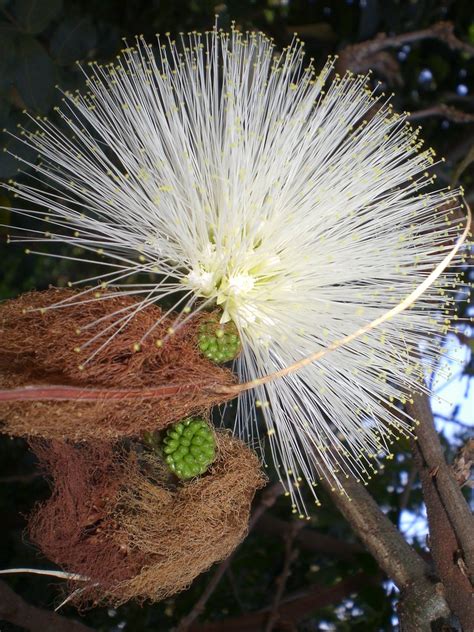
(402, 306)
(64, 393)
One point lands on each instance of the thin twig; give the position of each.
(445, 111)
(233, 584)
(453, 420)
(82, 393)
(290, 556)
(442, 31)
(405, 495)
(358, 57)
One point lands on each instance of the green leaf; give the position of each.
(35, 15)
(35, 75)
(73, 39)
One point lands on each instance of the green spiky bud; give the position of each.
(219, 343)
(189, 447)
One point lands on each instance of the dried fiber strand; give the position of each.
(72, 527)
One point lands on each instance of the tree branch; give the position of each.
(359, 57)
(442, 31)
(379, 535)
(446, 111)
(450, 522)
(444, 547)
(421, 602)
(16, 610)
(447, 487)
(290, 556)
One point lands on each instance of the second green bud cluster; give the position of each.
(219, 343)
(189, 447)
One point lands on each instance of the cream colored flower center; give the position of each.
(233, 290)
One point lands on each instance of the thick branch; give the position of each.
(16, 610)
(444, 547)
(419, 596)
(447, 487)
(380, 536)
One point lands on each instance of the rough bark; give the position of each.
(447, 487)
(451, 526)
(422, 603)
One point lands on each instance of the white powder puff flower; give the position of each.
(295, 201)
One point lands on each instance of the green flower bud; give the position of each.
(189, 447)
(219, 343)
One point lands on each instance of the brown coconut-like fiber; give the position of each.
(116, 519)
(39, 346)
(72, 527)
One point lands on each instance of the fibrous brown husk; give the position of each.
(72, 527)
(117, 520)
(38, 347)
